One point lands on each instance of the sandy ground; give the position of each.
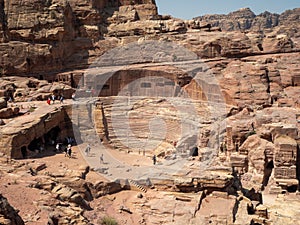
(16, 186)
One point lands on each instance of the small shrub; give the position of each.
(108, 221)
(32, 108)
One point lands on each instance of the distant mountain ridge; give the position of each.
(245, 19)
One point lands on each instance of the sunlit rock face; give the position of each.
(149, 84)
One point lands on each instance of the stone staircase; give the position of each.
(135, 185)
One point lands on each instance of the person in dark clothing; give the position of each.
(70, 152)
(154, 159)
(101, 159)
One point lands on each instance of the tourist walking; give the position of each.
(154, 159)
(61, 99)
(57, 147)
(53, 98)
(68, 151)
(49, 101)
(101, 159)
(87, 150)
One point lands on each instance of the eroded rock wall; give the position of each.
(16, 137)
(53, 37)
(245, 19)
(50, 36)
(8, 215)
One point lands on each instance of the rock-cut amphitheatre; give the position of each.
(188, 121)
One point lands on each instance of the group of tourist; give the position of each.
(54, 97)
(67, 149)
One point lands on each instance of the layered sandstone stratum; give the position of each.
(148, 84)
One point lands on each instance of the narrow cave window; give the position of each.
(267, 173)
(105, 86)
(145, 85)
(260, 47)
(171, 83)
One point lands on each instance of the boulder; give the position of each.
(6, 113)
(3, 103)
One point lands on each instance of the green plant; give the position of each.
(32, 108)
(106, 220)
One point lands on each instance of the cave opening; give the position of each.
(24, 152)
(292, 188)
(35, 144)
(51, 137)
(267, 173)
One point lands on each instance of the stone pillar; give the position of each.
(229, 141)
(237, 145)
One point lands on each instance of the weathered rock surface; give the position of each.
(8, 215)
(3, 103)
(245, 19)
(50, 38)
(26, 132)
(256, 70)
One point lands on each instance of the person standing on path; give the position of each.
(101, 159)
(61, 99)
(53, 98)
(154, 159)
(57, 147)
(69, 151)
(87, 150)
(49, 101)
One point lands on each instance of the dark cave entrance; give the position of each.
(24, 152)
(292, 188)
(267, 173)
(35, 144)
(52, 136)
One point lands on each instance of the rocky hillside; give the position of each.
(51, 36)
(245, 19)
(255, 60)
(46, 38)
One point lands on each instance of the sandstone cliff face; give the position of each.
(50, 36)
(3, 34)
(245, 19)
(257, 73)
